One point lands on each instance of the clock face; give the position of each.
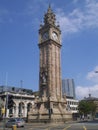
(45, 36)
(54, 36)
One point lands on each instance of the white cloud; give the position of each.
(83, 91)
(79, 19)
(92, 75)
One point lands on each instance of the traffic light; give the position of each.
(10, 101)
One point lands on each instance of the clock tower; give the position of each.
(50, 106)
(50, 65)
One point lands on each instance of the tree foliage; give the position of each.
(87, 107)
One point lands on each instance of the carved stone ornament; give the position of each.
(43, 75)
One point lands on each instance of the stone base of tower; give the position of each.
(49, 111)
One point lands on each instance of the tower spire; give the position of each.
(49, 5)
(49, 8)
(49, 17)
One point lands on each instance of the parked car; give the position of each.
(19, 122)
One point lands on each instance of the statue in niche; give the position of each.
(43, 76)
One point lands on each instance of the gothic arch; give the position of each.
(21, 109)
(29, 106)
(12, 110)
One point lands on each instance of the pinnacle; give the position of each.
(49, 9)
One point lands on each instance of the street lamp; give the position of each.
(21, 83)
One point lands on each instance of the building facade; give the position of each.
(68, 88)
(72, 105)
(23, 100)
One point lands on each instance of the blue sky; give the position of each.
(19, 52)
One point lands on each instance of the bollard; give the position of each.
(13, 127)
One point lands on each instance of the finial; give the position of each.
(49, 8)
(49, 5)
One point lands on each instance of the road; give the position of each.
(66, 126)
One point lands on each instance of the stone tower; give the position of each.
(50, 68)
(50, 106)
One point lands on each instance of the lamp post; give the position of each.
(21, 82)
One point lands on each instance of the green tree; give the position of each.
(87, 107)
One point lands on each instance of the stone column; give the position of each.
(25, 110)
(16, 114)
(7, 113)
(14, 111)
